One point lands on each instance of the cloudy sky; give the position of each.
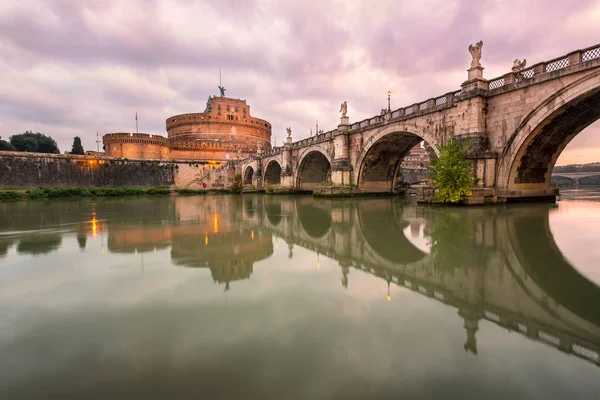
(77, 67)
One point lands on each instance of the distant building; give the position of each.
(224, 131)
(417, 158)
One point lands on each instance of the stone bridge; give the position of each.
(518, 123)
(574, 176)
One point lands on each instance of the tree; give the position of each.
(34, 142)
(452, 173)
(6, 146)
(77, 147)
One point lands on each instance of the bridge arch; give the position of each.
(532, 150)
(314, 169)
(248, 175)
(384, 151)
(273, 173)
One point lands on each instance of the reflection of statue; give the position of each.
(289, 131)
(344, 108)
(222, 90)
(518, 65)
(475, 51)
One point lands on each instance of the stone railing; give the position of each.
(431, 105)
(557, 64)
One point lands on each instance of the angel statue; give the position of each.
(344, 108)
(518, 65)
(289, 131)
(222, 90)
(475, 51)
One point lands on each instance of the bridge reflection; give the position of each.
(494, 264)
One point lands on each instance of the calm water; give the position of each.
(256, 297)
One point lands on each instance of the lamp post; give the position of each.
(317, 131)
(389, 94)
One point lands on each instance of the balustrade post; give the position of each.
(450, 98)
(539, 68)
(509, 78)
(574, 57)
(430, 103)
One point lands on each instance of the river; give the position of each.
(257, 297)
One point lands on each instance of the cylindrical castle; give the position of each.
(224, 131)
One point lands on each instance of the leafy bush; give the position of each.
(452, 172)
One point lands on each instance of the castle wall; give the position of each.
(136, 145)
(26, 170)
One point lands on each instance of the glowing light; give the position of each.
(103, 250)
(318, 265)
(252, 234)
(389, 298)
(206, 240)
(94, 222)
(215, 223)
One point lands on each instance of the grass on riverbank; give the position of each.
(92, 192)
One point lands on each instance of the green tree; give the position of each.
(6, 146)
(77, 147)
(34, 142)
(236, 184)
(452, 173)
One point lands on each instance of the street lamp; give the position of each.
(389, 94)
(317, 132)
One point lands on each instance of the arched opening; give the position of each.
(248, 175)
(315, 170)
(273, 173)
(533, 149)
(381, 164)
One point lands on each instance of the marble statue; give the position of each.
(475, 51)
(518, 65)
(344, 108)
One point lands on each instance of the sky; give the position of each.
(73, 68)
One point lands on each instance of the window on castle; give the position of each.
(219, 112)
(230, 117)
(236, 109)
(219, 107)
(228, 109)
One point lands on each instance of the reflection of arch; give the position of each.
(248, 174)
(315, 221)
(539, 256)
(534, 147)
(273, 173)
(314, 170)
(387, 237)
(383, 153)
(273, 211)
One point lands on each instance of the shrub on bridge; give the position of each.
(452, 173)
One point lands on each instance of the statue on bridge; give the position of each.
(518, 65)
(475, 51)
(289, 131)
(344, 108)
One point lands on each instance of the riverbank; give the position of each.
(91, 192)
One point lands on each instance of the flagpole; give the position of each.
(136, 123)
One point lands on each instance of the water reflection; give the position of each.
(488, 264)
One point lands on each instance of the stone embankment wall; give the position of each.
(22, 170)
